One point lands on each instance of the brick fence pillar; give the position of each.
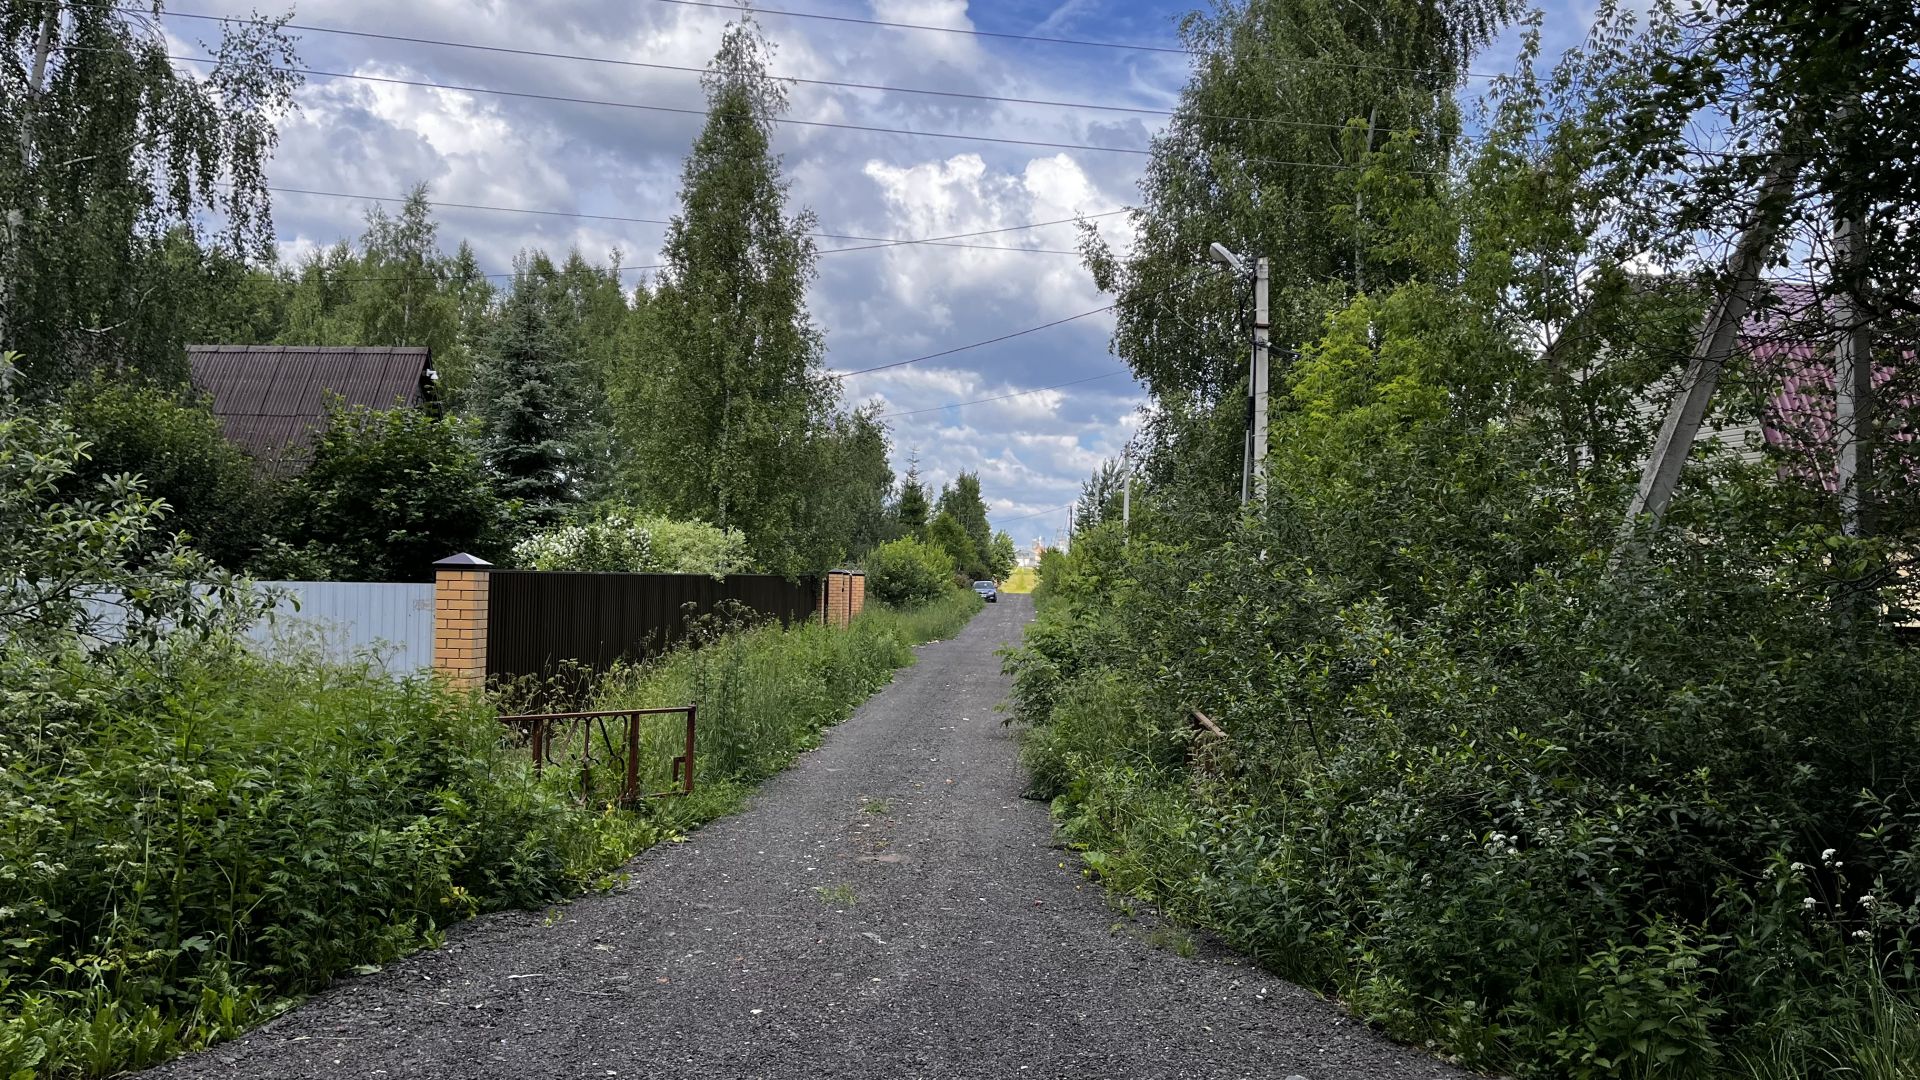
(460, 588)
(859, 585)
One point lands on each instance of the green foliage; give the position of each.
(726, 408)
(1001, 556)
(1554, 813)
(617, 539)
(213, 494)
(530, 401)
(908, 572)
(911, 508)
(961, 500)
(397, 288)
(116, 162)
(947, 534)
(391, 492)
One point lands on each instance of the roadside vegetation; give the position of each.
(196, 836)
(1553, 790)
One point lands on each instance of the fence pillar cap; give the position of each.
(462, 560)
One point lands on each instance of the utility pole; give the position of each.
(1126, 497)
(1253, 459)
(1262, 377)
(1852, 382)
(1688, 409)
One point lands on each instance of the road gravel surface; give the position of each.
(889, 907)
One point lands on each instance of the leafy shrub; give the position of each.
(212, 490)
(1558, 814)
(619, 540)
(389, 493)
(907, 572)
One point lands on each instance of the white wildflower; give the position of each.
(1863, 934)
(1827, 855)
(1809, 904)
(1867, 900)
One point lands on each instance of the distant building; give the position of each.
(273, 399)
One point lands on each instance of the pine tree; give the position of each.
(725, 402)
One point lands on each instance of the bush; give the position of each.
(211, 488)
(1556, 813)
(908, 572)
(618, 540)
(389, 493)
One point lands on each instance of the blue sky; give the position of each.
(876, 306)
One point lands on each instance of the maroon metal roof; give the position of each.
(271, 399)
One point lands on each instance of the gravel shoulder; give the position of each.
(888, 907)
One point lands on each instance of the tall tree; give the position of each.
(396, 289)
(724, 403)
(1264, 154)
(962, 500)
(529, 398)
(109, 151)
(910, 510)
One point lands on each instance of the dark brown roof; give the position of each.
(272, 398)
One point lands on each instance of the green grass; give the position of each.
(840, 895)
(195, 842)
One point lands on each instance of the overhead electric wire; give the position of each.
(1040, 513)
(873, 129)
(650, 65)
(973, 345)
(881, 241)
(1083, 42)
(1002, 397)
(570, 100)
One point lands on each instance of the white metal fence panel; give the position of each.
(347, 620)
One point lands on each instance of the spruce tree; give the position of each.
(910, 512)
(528, 398)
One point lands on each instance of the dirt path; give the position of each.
(822, 934)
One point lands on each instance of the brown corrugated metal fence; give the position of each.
(536, 620)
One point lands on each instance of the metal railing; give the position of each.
(541, 729)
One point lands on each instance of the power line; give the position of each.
(1038, 513)
(881, 241)
(1083, 42)
(1002, 397)
(566, 99)
(1140, 110)
(974, 345)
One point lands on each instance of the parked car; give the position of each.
(987, 591)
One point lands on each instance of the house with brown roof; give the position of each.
(272, 400)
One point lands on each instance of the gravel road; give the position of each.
(889, 907)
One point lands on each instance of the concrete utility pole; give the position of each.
(1852, 384)
(1262, 378)
(1688, 409)
(1253, 460)
(1126, 497)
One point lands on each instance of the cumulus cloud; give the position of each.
(876, 306)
